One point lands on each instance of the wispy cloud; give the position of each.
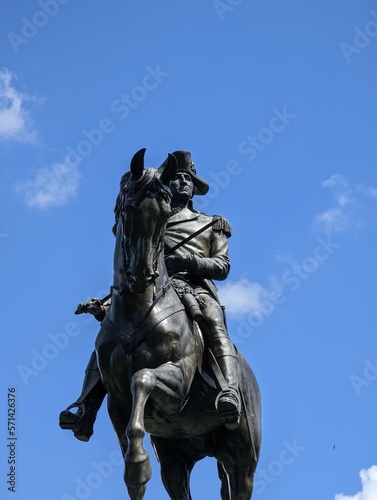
(369, 486)
(244, 297)
(51, 187)
(332, 220)
(342, 193)
(15, 120)
(368, 191)
(337, 218)
(347, 199)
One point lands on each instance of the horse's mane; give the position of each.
(133, 188)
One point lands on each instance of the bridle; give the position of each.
(134, 191)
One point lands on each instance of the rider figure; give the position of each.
(197, 262)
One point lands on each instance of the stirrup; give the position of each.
(81, 427)
(69, 420)
(228, 406)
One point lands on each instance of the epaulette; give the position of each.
(222, 224)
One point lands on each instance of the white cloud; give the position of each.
(15, 121)
(336, 218)
(342, 193)
(52, 186)
(369, 486)
(369, 191)
(284, 257)
(243, 296)
(332, 220)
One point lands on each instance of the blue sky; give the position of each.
(276, 100)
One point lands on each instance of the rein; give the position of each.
(191, 236)
(133, 191)
(129, 341)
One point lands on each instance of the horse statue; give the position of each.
(154, 364)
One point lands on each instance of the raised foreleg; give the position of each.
(119, 419)
(165, 382)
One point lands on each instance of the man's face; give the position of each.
(182, 187)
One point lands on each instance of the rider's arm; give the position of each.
(206, 256)
(217, 265)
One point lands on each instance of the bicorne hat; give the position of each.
(185, 164)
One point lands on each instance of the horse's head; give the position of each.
(143, 208)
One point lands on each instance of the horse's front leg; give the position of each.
(167, 378)
(137, 464)
(120, 420)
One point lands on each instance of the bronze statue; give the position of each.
(162, 373)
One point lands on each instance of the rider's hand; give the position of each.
(180, 263)
(92, 306)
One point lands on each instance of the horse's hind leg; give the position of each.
(238, 488)
(239, 475)
(175, 466)
(224, 490)
(236, 463)
(119, 419)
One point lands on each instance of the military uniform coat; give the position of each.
(210, 247)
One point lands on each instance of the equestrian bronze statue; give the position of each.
(163, 354)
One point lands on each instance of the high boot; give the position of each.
(88, 404)
(228, 400)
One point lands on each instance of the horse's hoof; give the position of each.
(138, 473)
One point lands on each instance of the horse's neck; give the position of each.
(136, 305)
(162, 272)
(162, 280)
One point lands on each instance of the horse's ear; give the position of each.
(137, 164)
(168, 169)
